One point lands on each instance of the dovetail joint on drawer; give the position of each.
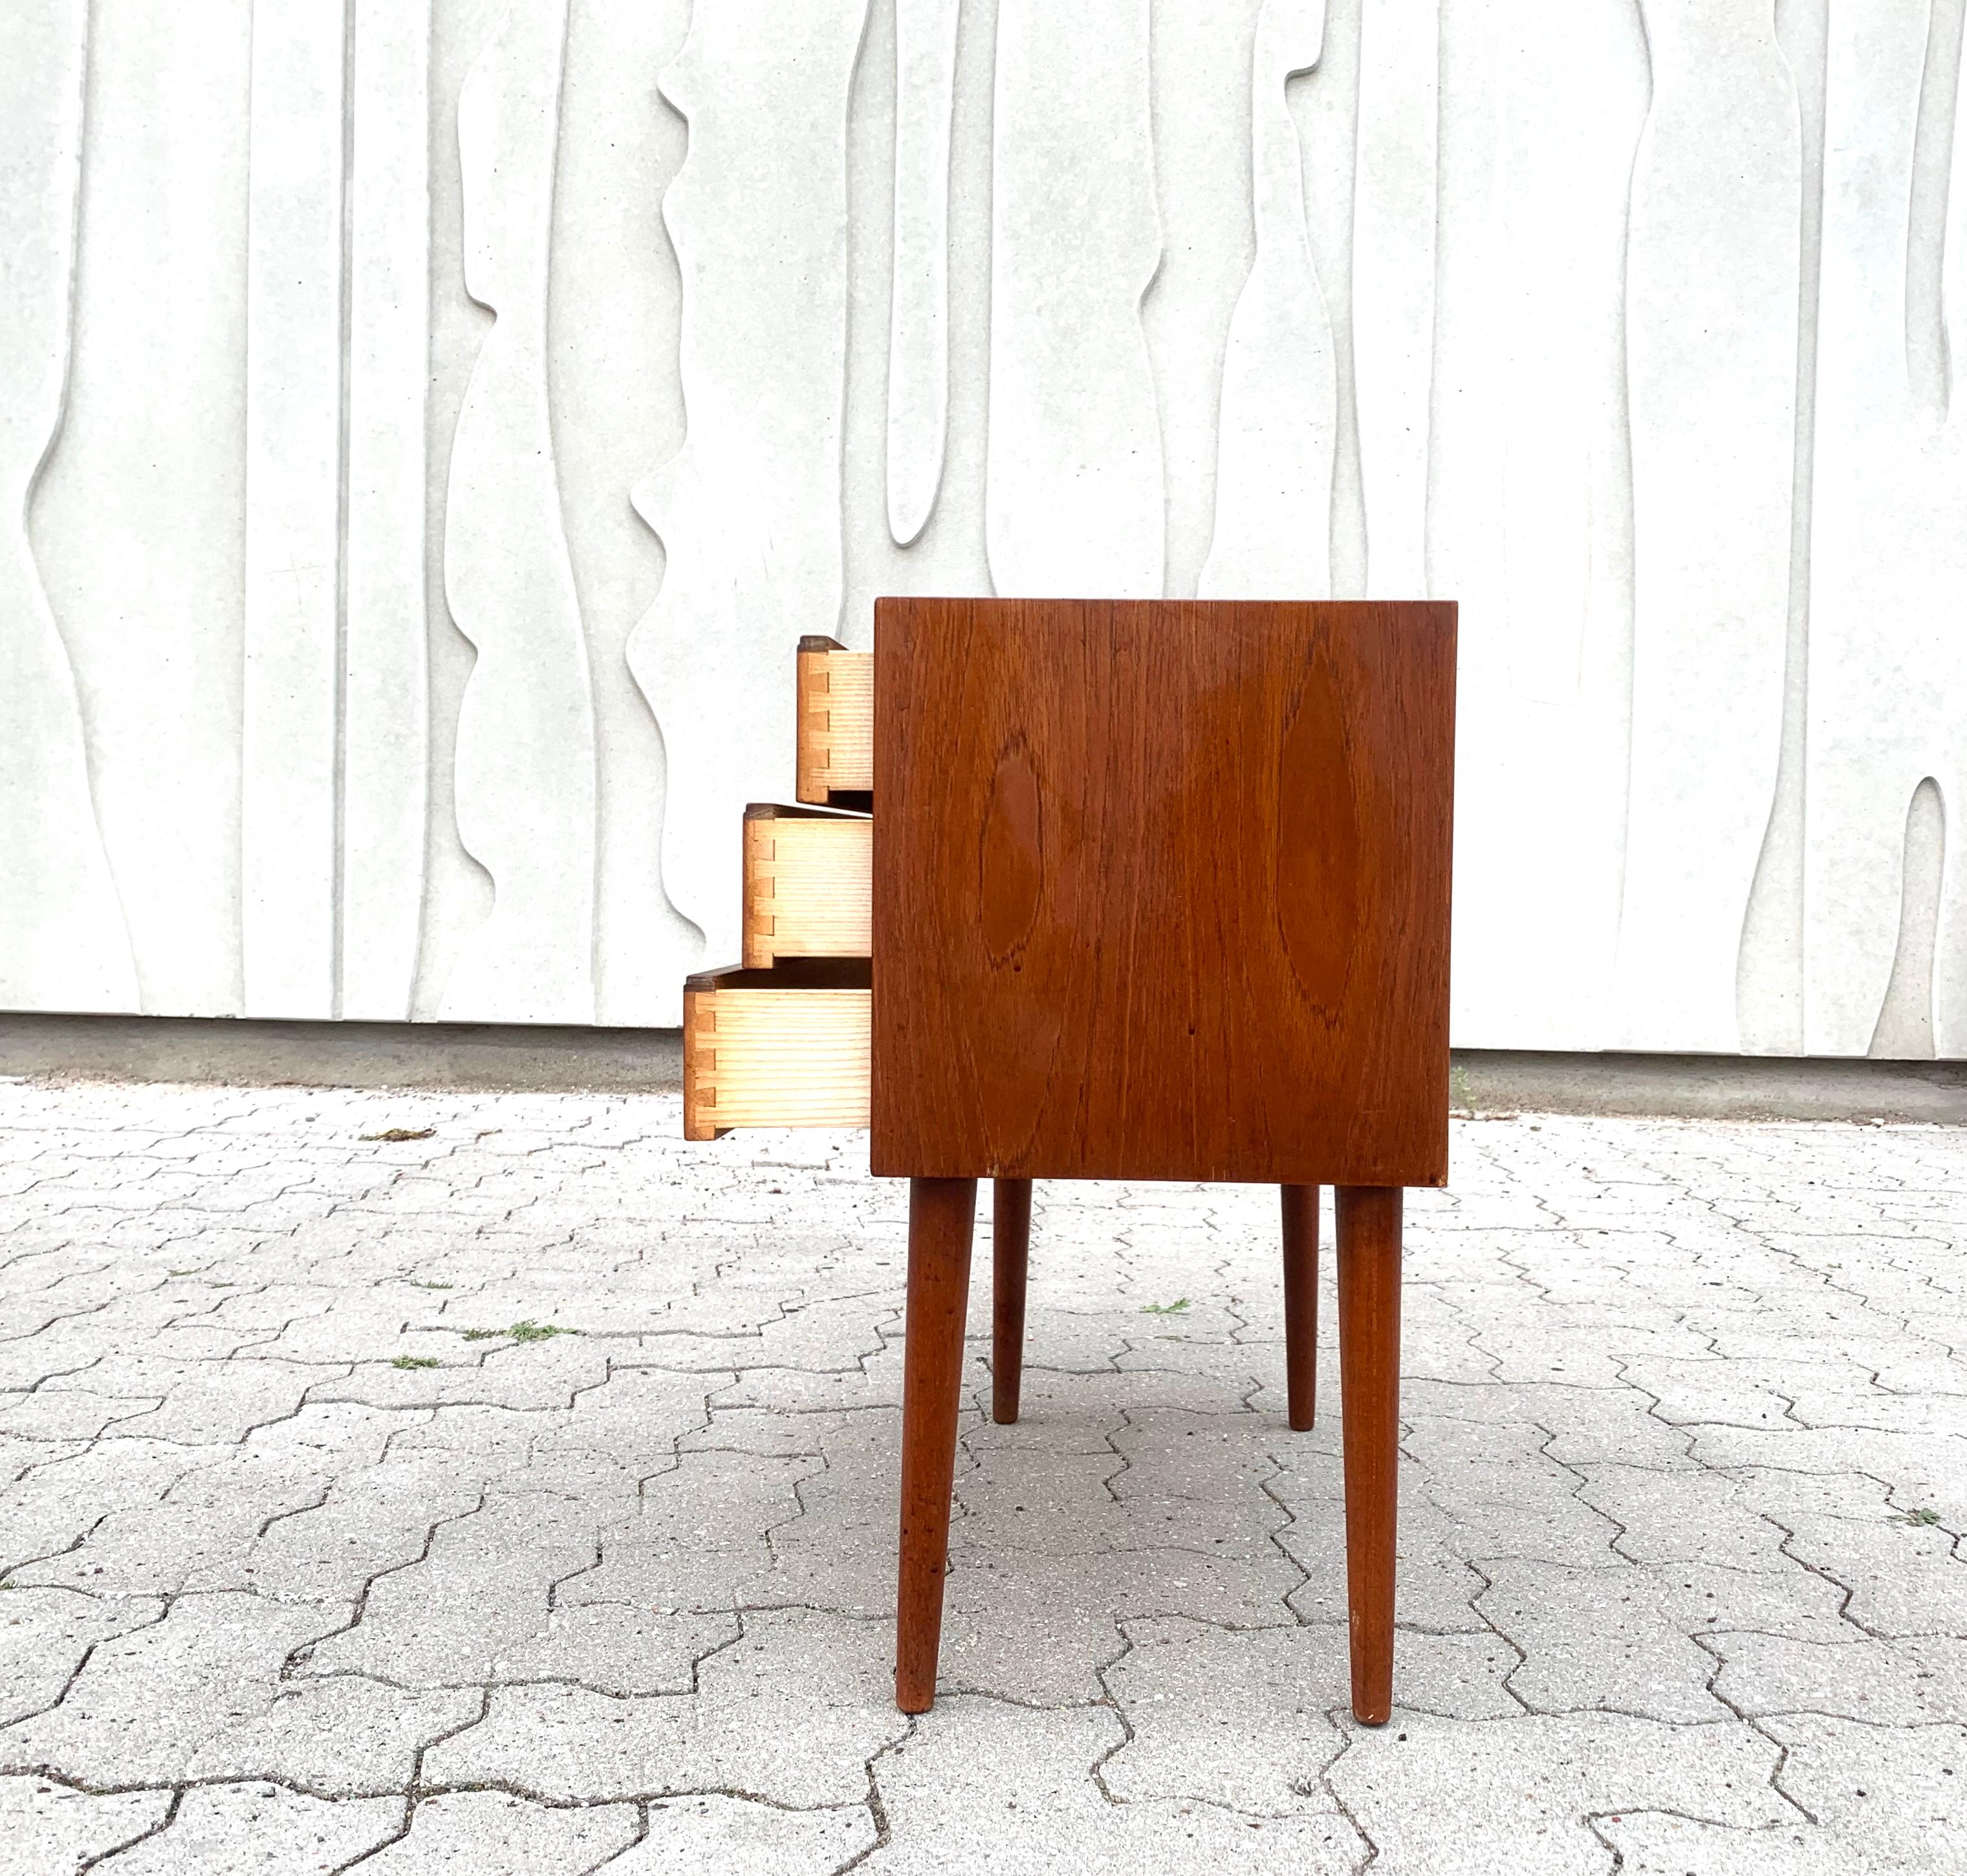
(835, 762)
(785, 1048)
(808, 885)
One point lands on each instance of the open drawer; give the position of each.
(808, 885)
(784, 1047)
(835, 763)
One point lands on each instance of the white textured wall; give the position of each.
(425, 430)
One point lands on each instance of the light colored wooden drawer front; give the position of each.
(836, 722)
(809, 886)
(784, 1047)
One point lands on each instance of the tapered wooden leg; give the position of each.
(1369, 1376)
(1301, 1215)
(1011, 1242)
(941, 1212)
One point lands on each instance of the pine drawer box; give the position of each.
(787, 1047)
(835, 763)
(808, 885)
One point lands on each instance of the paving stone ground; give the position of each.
(519, 1498)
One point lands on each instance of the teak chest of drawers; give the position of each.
(1151, 890)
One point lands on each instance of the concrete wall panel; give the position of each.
(432, 424)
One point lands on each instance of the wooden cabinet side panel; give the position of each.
(1161, 890)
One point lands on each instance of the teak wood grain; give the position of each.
(1010, 1270)
(1299, 1211)
(942, 1214)
(1369, 1382)
(1161, 890)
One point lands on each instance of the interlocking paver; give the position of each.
(1620, 1640)
(478, 1609)
(1886, 1683)
(1655, 1843)
(990, 1788)
(202, 1694)
(62, 1414)
(1523, 1797)
(790, 1711)
(250, 1829)
(1236, 1718)
(740, 1837)
(1437, 1587)
(63, 1493)
(47, 1635)
(301, 1571)
(369, 1522)
(48, 1829)
(488, 1833)
(1886, 1796)
(1500, 1494)
(700, 1538)
(1904, 1579)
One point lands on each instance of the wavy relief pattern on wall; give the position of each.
(137, 518)
(749, 510)
(925, 43)
(62, 942)
(1713, 262)
(290, 762)
(1529, 501)
(1272, 539)
(1520, 305)
(1203, 54)
(1393, 284)
(1887, 697)
(525, 787)
(384, 802)
(1075, 500)
(613, 311)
